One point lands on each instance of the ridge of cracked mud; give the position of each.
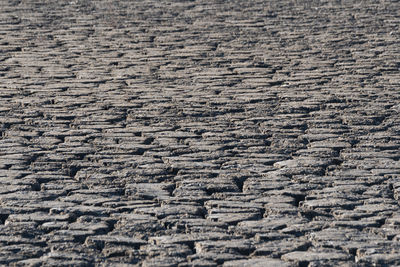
(198, 133)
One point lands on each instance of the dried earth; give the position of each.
(199, 133)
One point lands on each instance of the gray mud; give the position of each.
(199, 133)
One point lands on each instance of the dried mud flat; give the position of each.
(199, 133)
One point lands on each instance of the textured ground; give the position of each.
(199, 133)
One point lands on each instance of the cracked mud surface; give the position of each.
(190, 133)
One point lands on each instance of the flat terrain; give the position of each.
(199, 133)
